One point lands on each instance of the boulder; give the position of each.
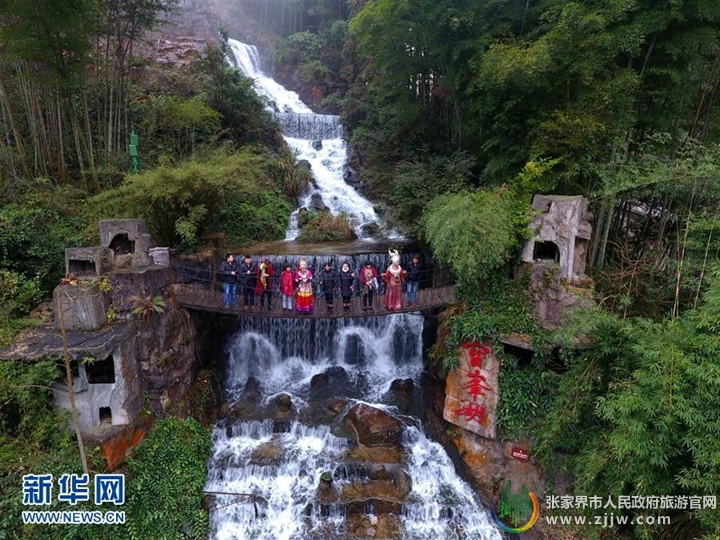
(317, 145)
(305, 164)
(373, 426)
(316, 203)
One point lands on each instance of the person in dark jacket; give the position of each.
(346, 284)
(328, 284)
(248, 272)
(414, 276)
(229, 281)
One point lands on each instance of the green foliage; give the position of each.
(414, 184)
(528, 394)
(175, 126)
(226, 90)
(231, 192)
(166, 482)
(18, 295)
(324, 227)
(148, 306)
(637, 411)
(37, 222)
(474, 233)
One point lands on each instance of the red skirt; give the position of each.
(304, 301)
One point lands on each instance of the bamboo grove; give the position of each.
(64, 84)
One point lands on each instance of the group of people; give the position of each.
(296, 287)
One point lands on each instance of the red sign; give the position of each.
(520, 454)
(472, 412)
(476, 351)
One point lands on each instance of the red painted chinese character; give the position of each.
(472, 411)
(476, 387)
(476, 351)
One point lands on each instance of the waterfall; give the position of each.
(278, 454)
(315, 138)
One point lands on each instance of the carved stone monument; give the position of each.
(562, 233)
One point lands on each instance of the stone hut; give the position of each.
(562, 232)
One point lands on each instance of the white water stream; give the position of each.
(280, 464)
(316, 138)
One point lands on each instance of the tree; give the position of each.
(474, 232)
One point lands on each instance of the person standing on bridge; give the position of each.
(287, 287)
(346, 283)
(265, 284)
(304, 296)
(248, 272)
(328, 284)
(414, 275)
(229, 281)
(369, 284)
(394, 277)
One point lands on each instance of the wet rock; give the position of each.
(402, 482)
(337, 373)
(376, 454)
(305, 164)
(284, 402)
(373, 426)
(337, 406)
(352, 177)
(326, 478)
(316, 203)
(370, 229)
(317, 145)
(319, 380)
(402, 385)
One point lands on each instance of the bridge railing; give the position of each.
(204, 286)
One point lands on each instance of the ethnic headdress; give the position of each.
(394, 256)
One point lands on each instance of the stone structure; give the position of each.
(107, 389)
(86, 261)
(471, 390)
(83, 306)
(127, 241)
(562, 234)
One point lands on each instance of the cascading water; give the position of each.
(292, 383)
(316, 138)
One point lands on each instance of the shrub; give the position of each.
(324, 227)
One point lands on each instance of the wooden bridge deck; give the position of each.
(198, 297)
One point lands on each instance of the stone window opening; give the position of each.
(101, 371)
(546, 251)
(105, 415)
(122, 245)
(81, 268)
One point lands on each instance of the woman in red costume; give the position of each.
(304, 295)
(394, 277)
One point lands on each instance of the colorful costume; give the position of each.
(304, 295)
(394, 277)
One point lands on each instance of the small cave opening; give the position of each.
(546, 251)
(105, 415)
(122, 245)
